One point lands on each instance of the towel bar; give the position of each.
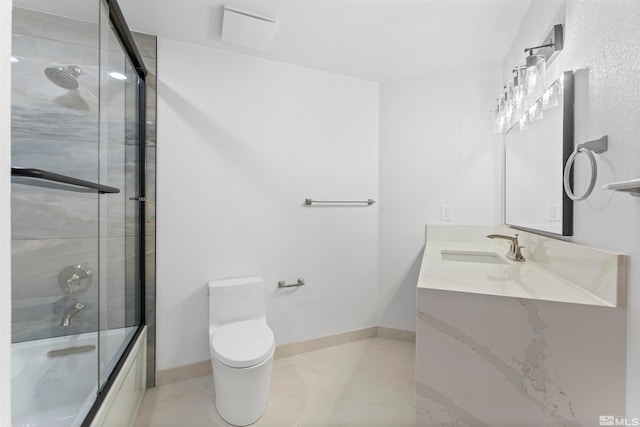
(368, 202)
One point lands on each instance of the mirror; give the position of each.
(535, 155)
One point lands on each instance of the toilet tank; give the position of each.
(234, 300)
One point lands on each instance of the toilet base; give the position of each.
(241, 394)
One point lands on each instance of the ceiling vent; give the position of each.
(246, 29)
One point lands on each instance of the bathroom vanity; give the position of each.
(506, 343)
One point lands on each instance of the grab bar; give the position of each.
(368, 202)
(70, 350)
(50, 176)
(300, 282)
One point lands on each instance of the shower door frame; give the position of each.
(122, 32)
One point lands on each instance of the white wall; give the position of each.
(242, 142)
(5, 213)
(603, 37)
(436, 147)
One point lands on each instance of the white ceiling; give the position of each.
(377, 40)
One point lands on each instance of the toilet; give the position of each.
(241, 345)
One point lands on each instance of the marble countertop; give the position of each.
(509, 279)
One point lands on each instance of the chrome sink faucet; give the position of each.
(514, 253)
(75, 309)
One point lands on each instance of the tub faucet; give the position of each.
(76, 309)
(514, 251)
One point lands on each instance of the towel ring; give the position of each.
(596, 146)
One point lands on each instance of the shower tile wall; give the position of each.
(57, 130)
(53, 129)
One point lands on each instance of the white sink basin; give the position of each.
(472, 256)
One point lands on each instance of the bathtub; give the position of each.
(52, 388)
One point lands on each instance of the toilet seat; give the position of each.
(243, 344)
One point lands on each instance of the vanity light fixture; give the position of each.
(520, 100)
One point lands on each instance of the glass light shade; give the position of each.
(546, 98)
(509, 90)
(524, 122)
(518, 92)
(496, 115)
(535, 112)
(500, 119)
(508, 111)
(551, 97)
(509, 104)
(534, 77)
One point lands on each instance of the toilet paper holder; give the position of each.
(282, 283)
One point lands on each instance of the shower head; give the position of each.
(65, 77)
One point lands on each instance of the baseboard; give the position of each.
(182, 373)
(291, 349)
(200, 369)
(396, 334)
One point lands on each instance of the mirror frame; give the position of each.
(568, 98)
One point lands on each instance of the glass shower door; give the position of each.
(55, 214)
(120, 233)
(77, 171)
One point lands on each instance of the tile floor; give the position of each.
(363, 383)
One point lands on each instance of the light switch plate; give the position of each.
(554, 212)
(445, 212)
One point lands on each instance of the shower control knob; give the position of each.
(74, 279)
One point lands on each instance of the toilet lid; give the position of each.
(243, 344)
